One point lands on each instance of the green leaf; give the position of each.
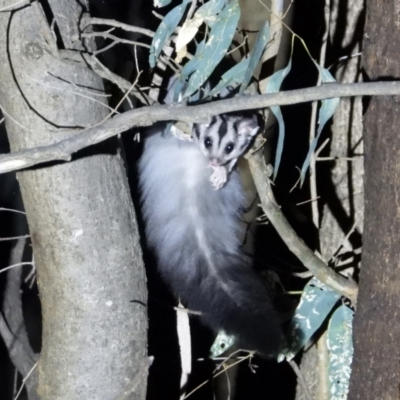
(315, 304)
(326, 111)
(255, 56)
(165, 30)
(217, 45)
(274, 84)
(209, 11)
(231, 77)
(340, 345)
(191, 65)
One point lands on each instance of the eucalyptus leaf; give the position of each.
(255, 56)
(188, 32)
(326, 111)
(231, 77)
(209, 11)
(191, 66)
(165, 30)
(274, 85)
(217, 45)
(340, 345)
(315, 304)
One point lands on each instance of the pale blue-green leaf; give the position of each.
(191, 65)
(231, 77)
(164, 31)
(210, 9)
(328, 106)
(274, 84)
(315, 304)
(326, 111)
(161, 3)
(281, 137)
(255, 56)
(340, 345)
(275, 81)
(177, 90)
(218, 42)
(221, 343)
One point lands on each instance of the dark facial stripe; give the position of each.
(196, 130)
(213, 121)
(236, 126)
(222, 129)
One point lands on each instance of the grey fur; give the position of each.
(194, 230)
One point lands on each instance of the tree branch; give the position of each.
(105, 73)
(117, 24)
(319, 269)
(149, 115)
(107, 35)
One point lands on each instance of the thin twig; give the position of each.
(15, 265)
(157, 15)
(308, 201)
(219, 373)
(333, 158)
(117, 24)
(313, 123)
(122, 83)
(12, 210)
(14, 238)
(342, 243)
(323, 145)
(127, 93)
(25, 379)
(107, 35)
(187, 311)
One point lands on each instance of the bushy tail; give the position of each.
(231, 297)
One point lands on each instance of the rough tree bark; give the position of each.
(376, 373)
(342, 192)
(81, 218)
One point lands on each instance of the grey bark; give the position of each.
(344, 208)
(344, 200)
(375, 369)
(80, 215)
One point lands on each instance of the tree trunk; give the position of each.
(81, 218)
(341, 184)
(376, 373)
